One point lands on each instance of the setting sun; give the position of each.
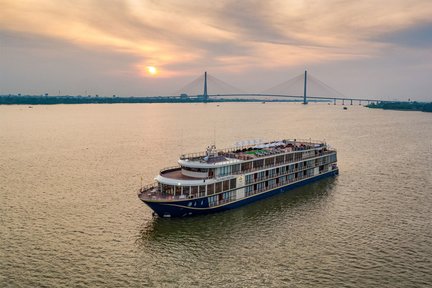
(152, 70)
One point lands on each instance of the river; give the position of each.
(70, 215)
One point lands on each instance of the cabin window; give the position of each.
(235, 168)
(258, 164)
(168, 189)
(225, 185)
(289, 157)
(213, 200)
(194, 190)
(249, 190)
(246, 166)
(272, 183)
(249, 178)
(233, 183)
(177, 190)
(218, 187)
(186, 190)
(201, 170)
(202, 189)
(260, 186)
(210, 189)
(280, 159)
(225, 170)
(269, 161)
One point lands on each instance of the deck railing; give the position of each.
(169, 169)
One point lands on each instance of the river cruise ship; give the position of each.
(217, 180)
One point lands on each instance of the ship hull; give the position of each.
(200, 206)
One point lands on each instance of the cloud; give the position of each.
(183, 38)
(419, 36)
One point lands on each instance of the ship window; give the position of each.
(194, 190)
(233, 183)
(210, 189)
(202, 190)
(212, 200)
(201, 170)
(258, 164)
(186, 190)
(235, 168)
(225, 170)
(169, 189)
(289, 157)
(226, 185)
(280, 159)
(218, 187)
(269, 161)
(177, 190)
(246, 166)
(249, 178)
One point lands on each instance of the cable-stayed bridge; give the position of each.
(302, 88)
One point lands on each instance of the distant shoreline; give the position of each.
(53, 100)
(402, 106)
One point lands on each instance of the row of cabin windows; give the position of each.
(199, 190)
(261, 163)
(252, 189)
(201, 170)
(288, 168)
(277, 171)
(222, 198)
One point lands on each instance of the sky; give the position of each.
(370, 49)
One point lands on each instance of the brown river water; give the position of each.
(70, 216)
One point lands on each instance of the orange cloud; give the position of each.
(175, 36)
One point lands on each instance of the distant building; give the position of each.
(183, 96)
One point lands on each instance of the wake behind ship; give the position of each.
(217, 180)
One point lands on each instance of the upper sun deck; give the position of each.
(213, 157)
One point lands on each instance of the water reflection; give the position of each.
(264, 215)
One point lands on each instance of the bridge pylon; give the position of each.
(205, 95)
(305, 88)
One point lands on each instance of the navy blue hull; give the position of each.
(200, 205)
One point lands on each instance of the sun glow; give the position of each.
(152, 70)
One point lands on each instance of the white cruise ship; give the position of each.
(217, 180)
